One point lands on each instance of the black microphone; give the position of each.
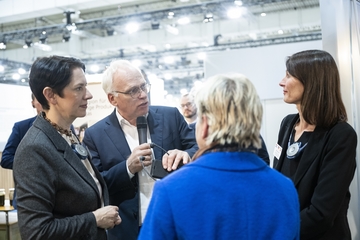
(141, 125)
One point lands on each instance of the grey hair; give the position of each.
(118, 65)
(233, 109)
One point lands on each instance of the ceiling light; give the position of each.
(2, 68)
(208, 18)
(94, 68)
(43, 37)
(110, 31)
(132, 27)
(216, 39)
(69, 25)
(183, 20)
(21, 71)
(66, 35)
(236, 12)
(16, 76)
(169, 60)
(167, 46)
(3, 45)
(238, 3)
(28, 41)
(201, 56)
(172, 30)
(155, 25)
(280, 31)
(171, 15)
(263, 14)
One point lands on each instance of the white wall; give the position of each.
(15, 105)
(341, 37)
(265, 67)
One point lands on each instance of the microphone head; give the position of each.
(141, 122)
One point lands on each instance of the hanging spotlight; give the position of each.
(121, 53)
(155, 25)
(66, 35)
(2, 44)
(110, 30)
(69, 25)
(132, 27)
(28, 41)
(43, 37)
(183, 20)
(208, 18)
(216, 39)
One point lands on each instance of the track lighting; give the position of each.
(43, 37)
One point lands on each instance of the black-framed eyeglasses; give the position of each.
(135, 92)
(188, 105)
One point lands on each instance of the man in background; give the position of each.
(18, 132)
(188, 108)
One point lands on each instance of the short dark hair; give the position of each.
(321, 103)
(54, 72)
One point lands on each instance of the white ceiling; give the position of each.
(299, 21)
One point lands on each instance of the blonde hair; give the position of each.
(118, 65)
(233, 109)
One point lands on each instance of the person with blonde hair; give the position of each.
(227, 191)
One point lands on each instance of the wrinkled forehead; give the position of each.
(129, 76)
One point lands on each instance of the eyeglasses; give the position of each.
(135, 92)
(188, 105)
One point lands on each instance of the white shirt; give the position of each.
(146, 183)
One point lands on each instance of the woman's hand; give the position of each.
(107, 217)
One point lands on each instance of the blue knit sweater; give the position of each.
(223, 195)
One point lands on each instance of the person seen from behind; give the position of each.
(227, 191)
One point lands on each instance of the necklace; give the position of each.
(58, 128)
(295, 148)
(79, 149)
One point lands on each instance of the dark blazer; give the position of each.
(109, 149)
(55, 192)
(18, 132)
(322, 179)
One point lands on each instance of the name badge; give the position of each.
(277, 151)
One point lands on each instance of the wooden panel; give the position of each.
(6, 180)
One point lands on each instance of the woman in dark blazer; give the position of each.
(60, 193)
(317, 147)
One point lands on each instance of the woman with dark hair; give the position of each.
(317, 147)
(60, 194)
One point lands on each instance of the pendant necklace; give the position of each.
(295, 148)
(79, 149)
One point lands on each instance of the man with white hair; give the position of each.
(114, 145)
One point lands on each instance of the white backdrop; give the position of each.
(15, 105)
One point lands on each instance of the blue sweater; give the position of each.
(223, 195)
